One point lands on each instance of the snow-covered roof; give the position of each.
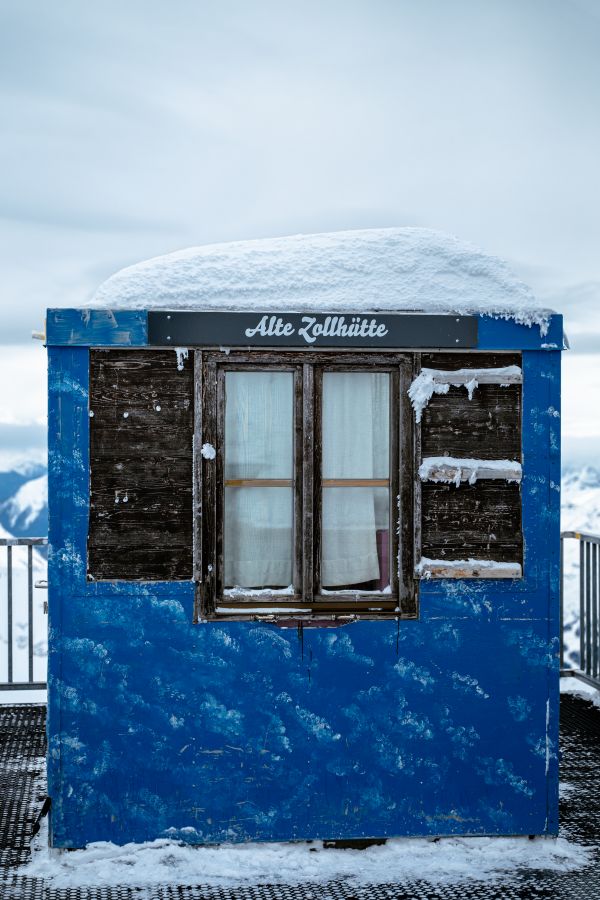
(393, 269)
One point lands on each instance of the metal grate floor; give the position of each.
(23, 787)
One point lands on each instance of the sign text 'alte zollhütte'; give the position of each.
(312, 328)
(369, 330)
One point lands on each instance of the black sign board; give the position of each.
(188, 328)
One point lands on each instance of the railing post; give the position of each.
(561, 613)
(589, 606)
(581, 605)
(30, 607)
(593, 665)
(26, 597)
(9, 590)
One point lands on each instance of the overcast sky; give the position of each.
(132, 128)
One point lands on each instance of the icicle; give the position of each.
(182, 355)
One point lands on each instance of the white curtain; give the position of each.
(355, 445)
(259, 429)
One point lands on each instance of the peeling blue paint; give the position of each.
(227, 731)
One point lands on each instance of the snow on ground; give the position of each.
(579, 688)
(393, 269)
(401, 859)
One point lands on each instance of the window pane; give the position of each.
(356, 431)
(258, 537)
(356, 538)
(259, 425)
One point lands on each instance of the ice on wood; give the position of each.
(239, 591)
(438, 381)
(182, 354)
(450, 470)
(393, 269)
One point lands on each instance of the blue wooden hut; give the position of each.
(304, 547)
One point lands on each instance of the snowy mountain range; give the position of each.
(24, 501)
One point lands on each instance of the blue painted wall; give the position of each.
(239, 731)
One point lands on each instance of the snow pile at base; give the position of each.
(28, 502)
(578, 688)
(451, 470)
(375, 270)
(401, 859)
(435, 381)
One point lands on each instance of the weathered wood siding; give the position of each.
(483, 520)
(141, 449)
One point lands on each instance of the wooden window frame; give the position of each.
(307, 603)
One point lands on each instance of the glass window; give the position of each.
(355, 481)
(258, 466)
(301, 506)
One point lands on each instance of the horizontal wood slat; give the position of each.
(486, 427)
(449, 361)
(287, 482)
(469, 569)
(481, 521)
(258, 482)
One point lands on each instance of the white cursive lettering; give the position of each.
(313, 330)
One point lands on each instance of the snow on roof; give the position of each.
(394, 269)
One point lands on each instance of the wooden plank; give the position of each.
(197, 473)
(143, 563)
(286, 360)
(107, 445)
(298, 479)
(479, 375)
(481, 521)
(259, 482)
(473, 359)
(140, 523)
(393, 483)
(209, 486)
(310, 578)
(218, 466)
(355, 482)
(404, 488)
(487, 427)
(469, 569)
(415, 451)
(157, 474)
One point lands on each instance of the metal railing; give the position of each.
(589, 607)
(8, 666)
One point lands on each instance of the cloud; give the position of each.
(133, 129)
